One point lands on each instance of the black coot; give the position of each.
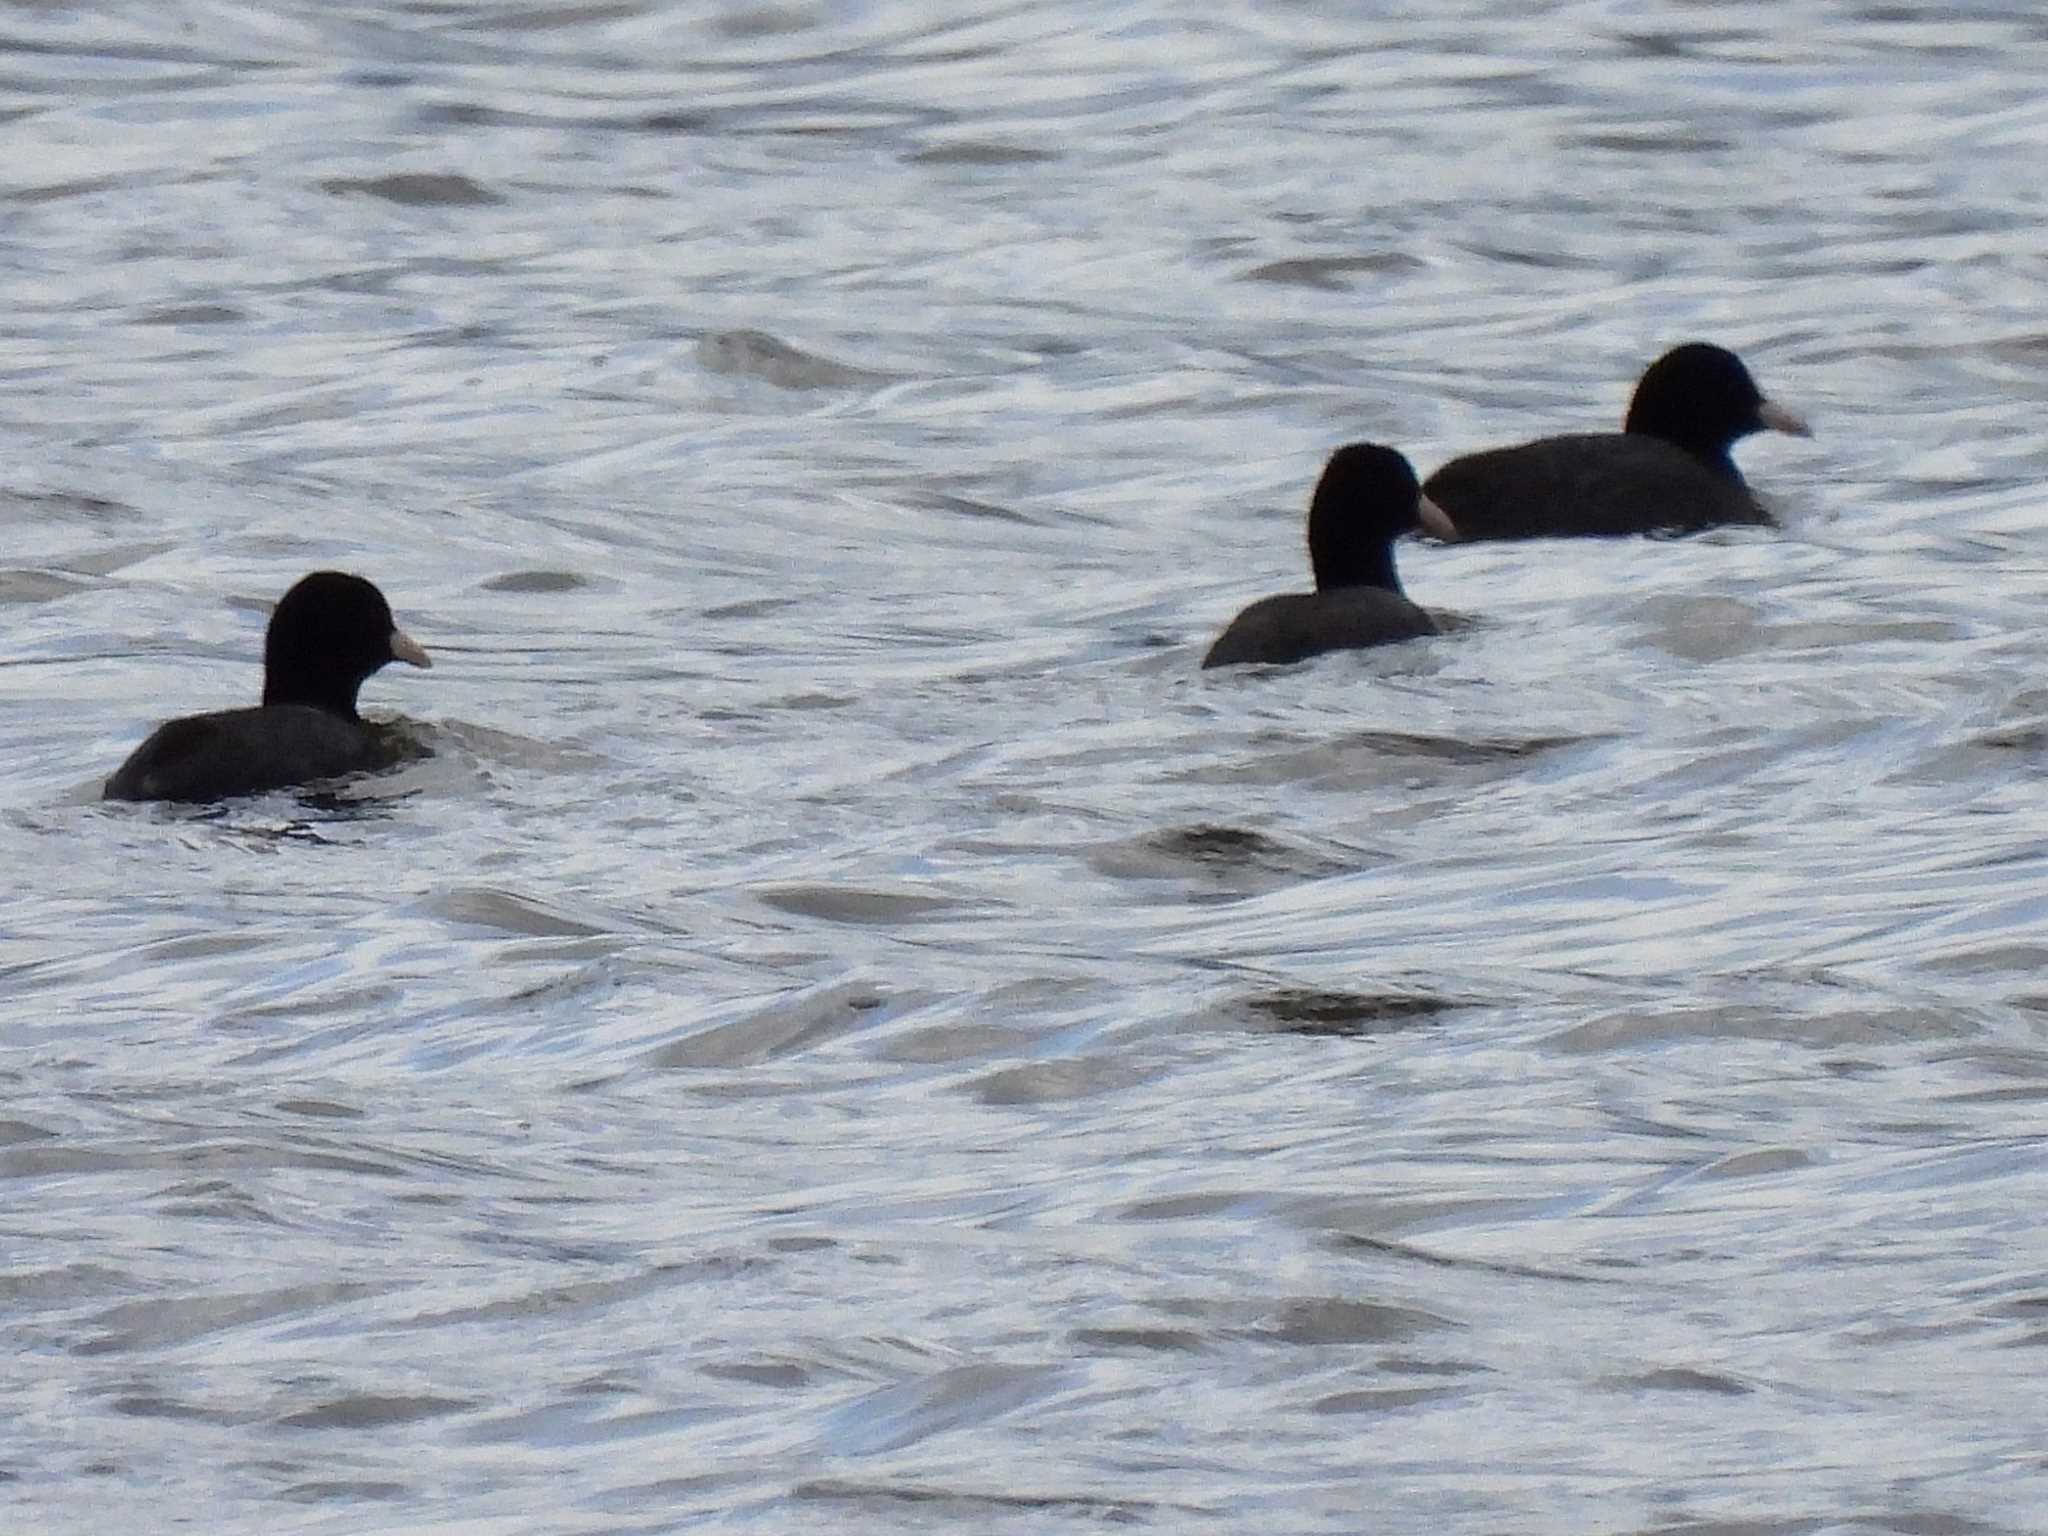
(329, 633)
(1365, 500)
(1667, 470)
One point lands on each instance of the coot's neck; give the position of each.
(1370, 566)
(1706, 445)
(284, 686)
(1713, 456)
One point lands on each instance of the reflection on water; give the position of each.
(851, 1026)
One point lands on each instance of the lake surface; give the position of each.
(852, 1029)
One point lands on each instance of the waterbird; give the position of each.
(1667, 471)
(327, 635)
(1367, 497)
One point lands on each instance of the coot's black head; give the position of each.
(1700, 397)
(1368, 497)
(330, 632)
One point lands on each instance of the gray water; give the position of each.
(852, 1029)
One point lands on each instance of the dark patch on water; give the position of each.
(374, 1411)
(971, 153)
(1332, 272)
(758, 355)
(1381, 1399)
(192, 314)
(1228, 863)
(537, 582)
(1682, 1379)
(1345, 1015)
(417, 189)
(965, 1504)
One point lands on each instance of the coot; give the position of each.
(330, 631)
(1667, 470)
(1365, 500)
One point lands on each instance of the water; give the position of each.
(853, 1030)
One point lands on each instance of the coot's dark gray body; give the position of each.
(1367, 497)
(1297, 625)
(1589, 485)
(1668, 470)
(248, 751)
(329, 633)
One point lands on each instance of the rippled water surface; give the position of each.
(852, 1029)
